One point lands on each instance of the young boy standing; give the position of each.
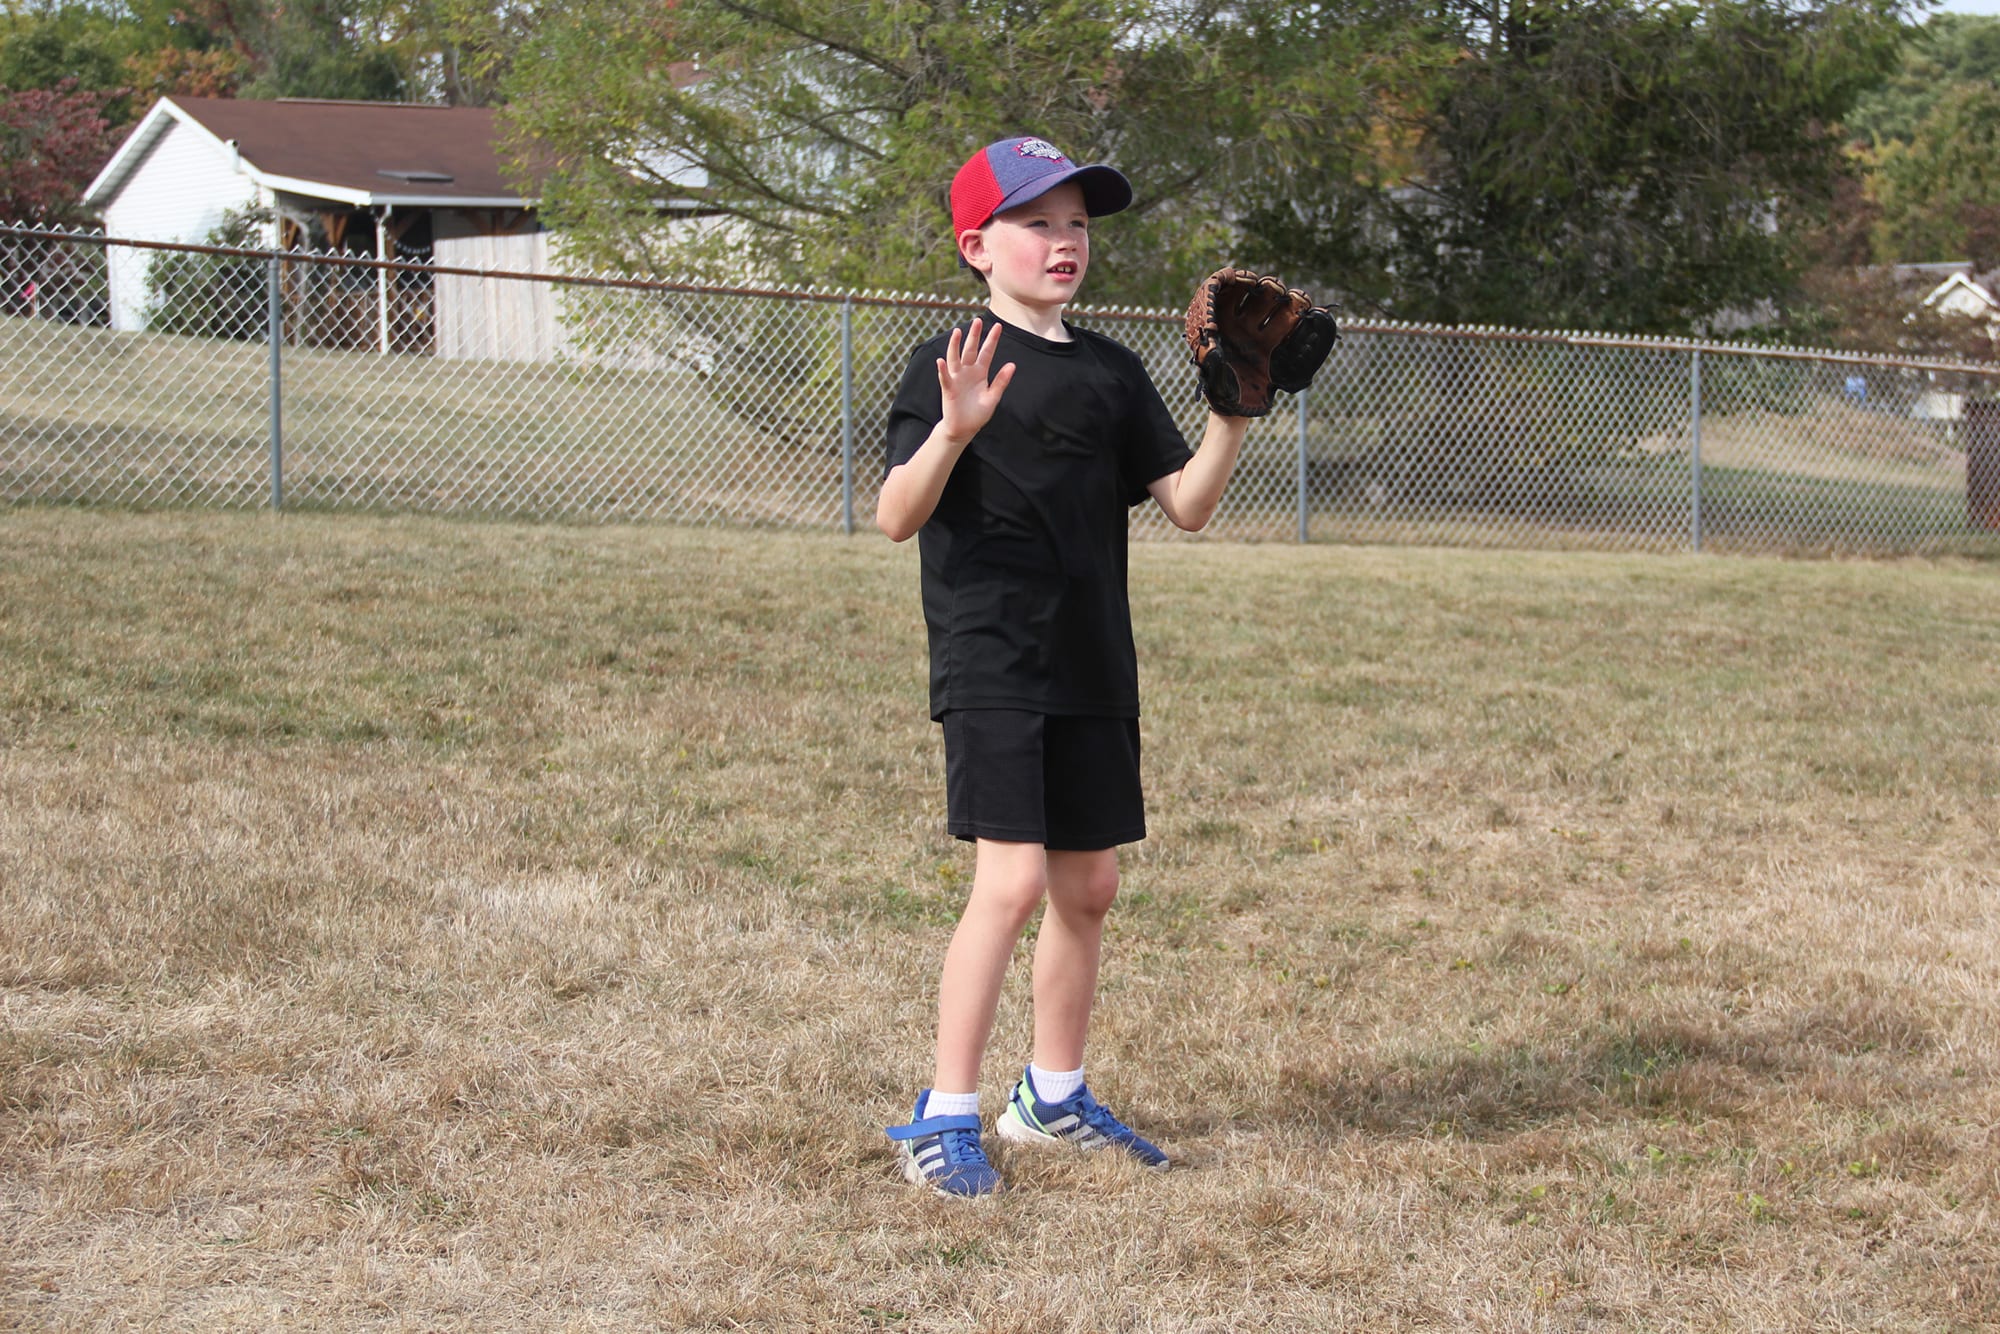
(1018, 482)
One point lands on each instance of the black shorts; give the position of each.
(1071, 784)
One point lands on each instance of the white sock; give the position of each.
(1055, 1085)
(952, 1104)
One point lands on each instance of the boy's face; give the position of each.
(1035, 253)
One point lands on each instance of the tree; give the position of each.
(457, 52)
(1947, 51)
(52, 142)
(451, 51)
(212, 296)
(137, 49)
(827, 136)
(173, 71)
(303, 48)
(1598, 163)
(43, 48)
(1867, 308)
(1940, 193)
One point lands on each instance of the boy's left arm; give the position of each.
(1189, 497)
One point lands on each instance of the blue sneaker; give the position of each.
(943, 1152)
(1079, 1119)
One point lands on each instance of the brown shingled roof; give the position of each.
(352, 144)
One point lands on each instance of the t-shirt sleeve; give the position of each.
(1155, 446)
(917, 407)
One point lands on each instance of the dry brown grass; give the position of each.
(417, 925)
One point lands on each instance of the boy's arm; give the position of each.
(1189, 497)
(911, 490)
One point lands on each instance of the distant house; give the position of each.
(396, 181)
(390, 180)
(1964, 294)
(1959, 291)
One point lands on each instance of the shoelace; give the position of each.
(961, 1148)
(1098, 1118)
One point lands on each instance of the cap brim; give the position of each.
(1105, 190)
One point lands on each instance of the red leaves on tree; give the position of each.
(53, 141)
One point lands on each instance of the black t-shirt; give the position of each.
(1024, 558)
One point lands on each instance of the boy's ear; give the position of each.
(972, 249)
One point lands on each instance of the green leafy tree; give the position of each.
(134, 51)
(304, 48)
(212, 296)
(828, 135)
(1947, 51)
(1598, 164)
(820, 142)
(450, 51)
(457, 52)
(1940, 193)
(45, 46)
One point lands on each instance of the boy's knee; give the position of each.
(1014, 890)
(1100, 890)
(1091, 890)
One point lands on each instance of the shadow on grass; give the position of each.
(1647, 1070)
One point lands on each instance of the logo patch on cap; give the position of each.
(1040, 148)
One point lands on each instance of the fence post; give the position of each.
(1694, 450)
(274, 321)
(1305, 507)
(847, 414)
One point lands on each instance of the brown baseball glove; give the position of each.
(1249, 335)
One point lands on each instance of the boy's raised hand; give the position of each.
(965, 379)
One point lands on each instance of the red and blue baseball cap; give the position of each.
(1013, 171)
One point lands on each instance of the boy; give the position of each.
(1019, 482)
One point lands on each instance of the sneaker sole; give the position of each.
(1010, 1127)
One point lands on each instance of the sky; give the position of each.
(1970, 7)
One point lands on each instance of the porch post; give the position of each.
(382, 278)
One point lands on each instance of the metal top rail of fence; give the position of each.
(146, 373)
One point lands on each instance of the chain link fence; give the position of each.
(145, 374)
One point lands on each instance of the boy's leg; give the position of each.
(1008, 881)
(1081, 887)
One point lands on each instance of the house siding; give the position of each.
(480, 319)
(487, 319)
(178, 191)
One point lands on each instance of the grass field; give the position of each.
(154, 419)
(417, 925)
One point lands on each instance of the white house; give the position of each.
(388, 180)
(393, 180)
(1963, 294)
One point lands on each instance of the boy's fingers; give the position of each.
(999, 384)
